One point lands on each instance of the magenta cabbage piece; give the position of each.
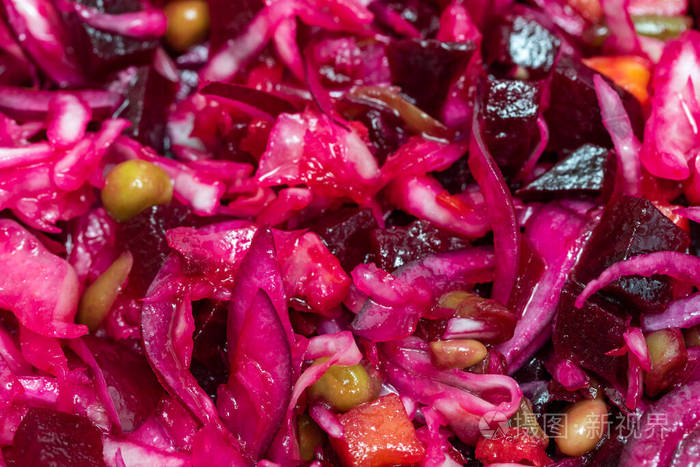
(424, 69)
(254, 401)
(669, 142)
(439, 274)
(677, 443)
(337, 167)
(43, 290)
(135, 392)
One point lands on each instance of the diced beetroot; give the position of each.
(583, 172)
(514, 445)
(519, 43)
(395, 246)
(574, 115)
(102, 52)
(209, 361)
(146, 106)
(48, 437)
(144, 236)
(668, 358)
(585, 335)
(509, 111)
(130, 380)
(346, 233)
(631, 226)
(425, 68)
(378, 434)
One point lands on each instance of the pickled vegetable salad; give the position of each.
(349, 232)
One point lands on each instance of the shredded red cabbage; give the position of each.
(354, 232)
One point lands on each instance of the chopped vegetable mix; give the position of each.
(349, 232)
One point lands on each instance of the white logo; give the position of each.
(492, 424)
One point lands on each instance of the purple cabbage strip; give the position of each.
(663, 445)
(506, 233)
(267, 104)
(34, 104)
(43, 35)
(43, 289)
(421, 196)
(162, 350)
(623, 37)
(25, 155)
(555, 234)
(525, 173)
(637, 346)
(254, 401)
(82, 351)
(340, 348)
(147, 23)
(627, 147)
(691, 212)
(682, 313)
(567, 373)
(461, 397)
(67, 120)
(327, 420)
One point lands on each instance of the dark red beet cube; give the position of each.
(530, 270)
(509, 112)
(573, 115)
(519, 43)
(582, 173)
(395, 246)
(346, 233)
(146, 106)
(51, 438)
(424, 69)
(585, 335)
(631, 226)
